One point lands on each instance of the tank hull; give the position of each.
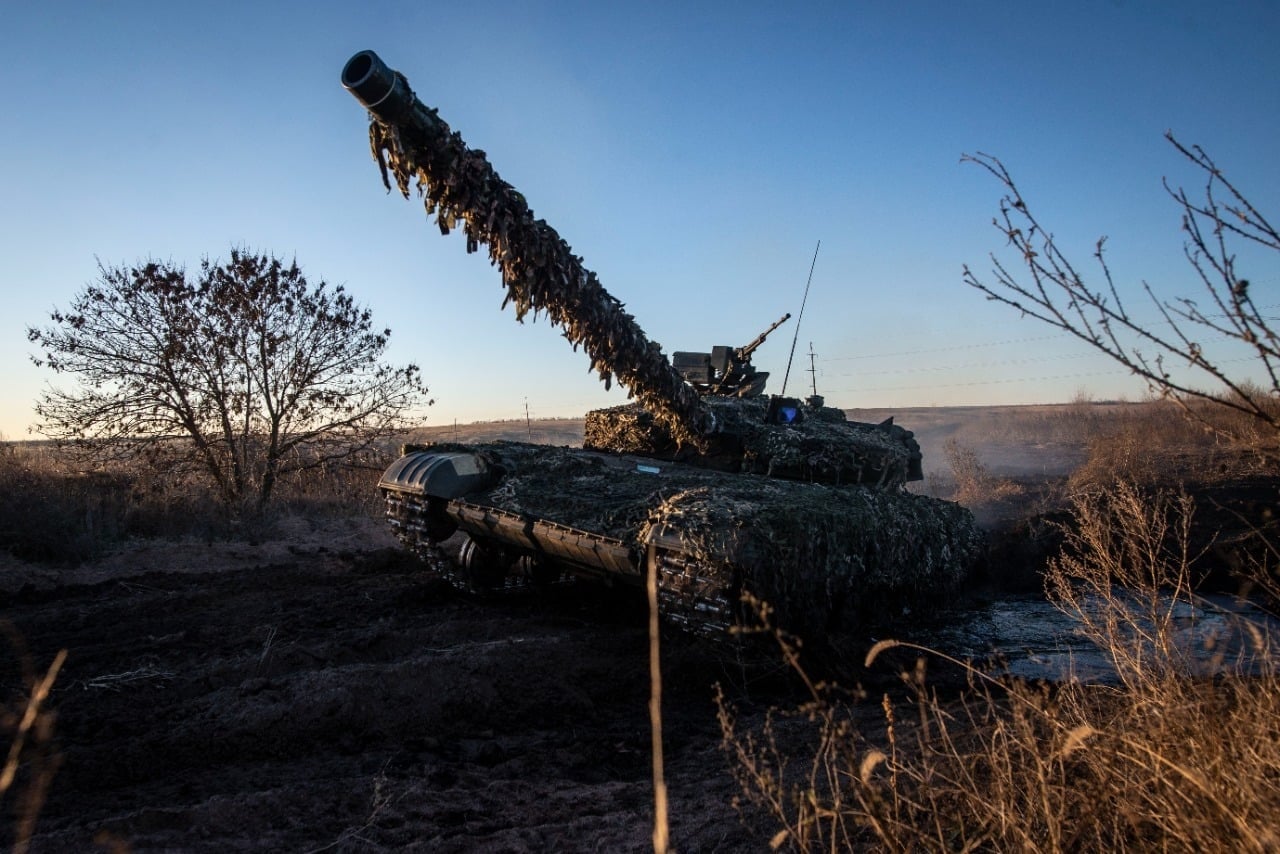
(826, 558)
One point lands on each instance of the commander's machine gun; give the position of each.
(726, 370)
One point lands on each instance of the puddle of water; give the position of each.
(1028, 637)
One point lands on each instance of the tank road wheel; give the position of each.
(539, 572)
(483, 565)
(437, 524)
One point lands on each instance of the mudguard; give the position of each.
(443, 474)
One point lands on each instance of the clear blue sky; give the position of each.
(692, 153)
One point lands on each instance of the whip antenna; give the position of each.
(800, 318)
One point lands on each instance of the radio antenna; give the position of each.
(813, 372)
(800, 318)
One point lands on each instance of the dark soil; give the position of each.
(317, 692)
(312, 698)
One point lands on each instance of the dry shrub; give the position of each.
(54, 512)
(50, 514)
(338, 488)
(973, 481)
(1180, 753)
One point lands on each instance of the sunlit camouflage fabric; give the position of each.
(539, 269)
(822, 447)
(827, 558)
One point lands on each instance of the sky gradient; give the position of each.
(693, 154)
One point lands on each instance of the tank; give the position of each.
(719, 489)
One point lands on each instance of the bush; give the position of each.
(973, 481)
(1179, 352)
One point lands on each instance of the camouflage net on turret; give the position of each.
(540, 271)
(827, 558)
(823, 447)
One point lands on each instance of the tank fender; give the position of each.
(439, 474)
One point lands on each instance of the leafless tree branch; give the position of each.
(1047, 287)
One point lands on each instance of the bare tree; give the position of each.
(1051, 289)
(245, 371)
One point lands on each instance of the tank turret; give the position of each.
(774, 436)
(703, 480)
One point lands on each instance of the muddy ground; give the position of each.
(319, 693)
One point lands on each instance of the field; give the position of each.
(302, 686)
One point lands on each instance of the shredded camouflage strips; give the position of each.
(827, 558)
(541, 274)
(823, 447)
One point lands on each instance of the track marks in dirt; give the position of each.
(345, 702)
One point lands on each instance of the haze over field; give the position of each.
(692, 156)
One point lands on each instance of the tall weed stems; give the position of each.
(1180, 752)
(55, 512)
(29, 758)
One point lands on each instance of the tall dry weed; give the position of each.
(29, 756)
(1157, 444)
(53, 512)
(973, 483)
(1180, 752)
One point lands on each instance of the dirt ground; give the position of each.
(318, 694)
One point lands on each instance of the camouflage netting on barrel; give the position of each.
(823, 447)
(828, 560)
(412, 144)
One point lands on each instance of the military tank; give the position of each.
(704, 480)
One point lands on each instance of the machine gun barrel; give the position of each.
(539, 270)
(744, 352)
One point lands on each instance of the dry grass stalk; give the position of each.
(661, 832)
(1180, 754)
(29, 765)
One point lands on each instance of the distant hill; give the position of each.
(547, 431)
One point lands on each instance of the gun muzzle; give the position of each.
(383, 92)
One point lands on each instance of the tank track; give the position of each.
(408, 517)
(692, 595)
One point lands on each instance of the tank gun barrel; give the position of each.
(744, 352)
(541, 274)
